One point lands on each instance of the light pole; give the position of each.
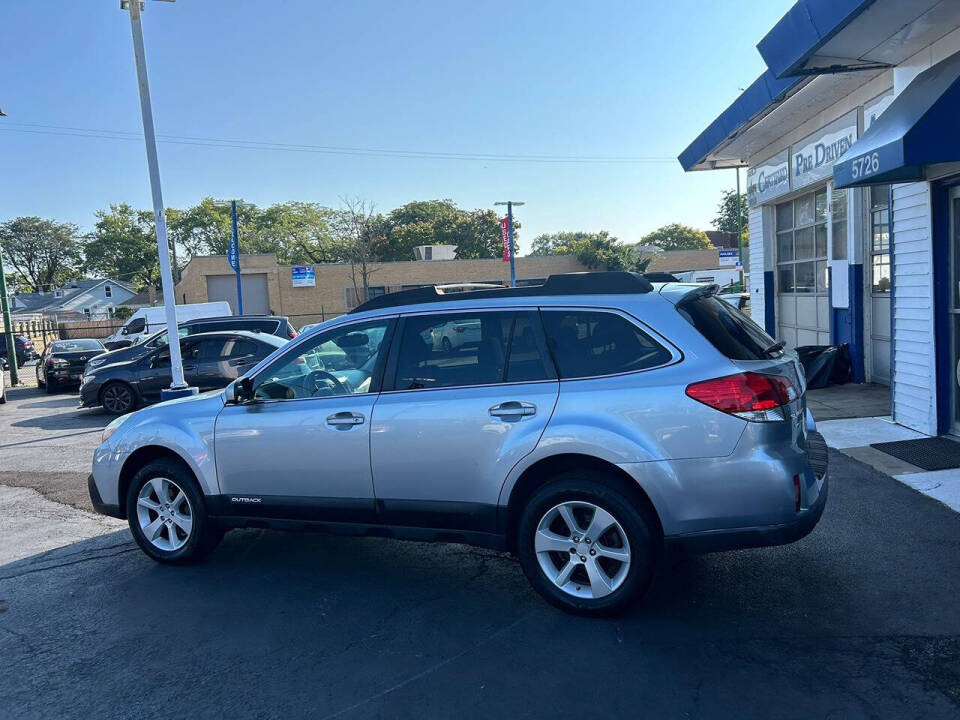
(739, 229)
(233, 254)
(510, 205)
(7, 322)
(178, 386)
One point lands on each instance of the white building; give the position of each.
(94, 299)
(852, 145)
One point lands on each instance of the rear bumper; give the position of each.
(751, 537)
(98, 504)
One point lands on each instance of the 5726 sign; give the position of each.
(864, 165)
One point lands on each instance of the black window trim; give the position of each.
(393, 363)
(675, 353)
(376, 379)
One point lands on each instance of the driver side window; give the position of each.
(341, 361)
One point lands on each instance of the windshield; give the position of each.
(66, 346)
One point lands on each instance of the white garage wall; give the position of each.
(914, 378)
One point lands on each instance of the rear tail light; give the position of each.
(292, 334)
(751, 396)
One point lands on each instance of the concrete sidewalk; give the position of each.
(854, 436)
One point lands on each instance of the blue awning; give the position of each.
(763, 93)
(804, 30)
(918, 129)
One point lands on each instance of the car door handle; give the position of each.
(513, 409)
(345, 418)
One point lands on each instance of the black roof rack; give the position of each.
(585, 283)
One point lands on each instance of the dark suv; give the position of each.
(277, 325)
(25, 349)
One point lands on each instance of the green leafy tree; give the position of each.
(205, 228)
(298, 232)
(123, 246)
(677, 237)
(476, 233)
(598, 250)
(44, 253)
(726, 219)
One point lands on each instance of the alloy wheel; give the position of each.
(164, 514)
(117, 399)
(582, 549)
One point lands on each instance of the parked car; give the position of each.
(26, 351)
(63, 361)
(599, 419)
(448, 336)
(147, 321)
(210, 361)
(271, 324)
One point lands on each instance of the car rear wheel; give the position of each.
(117, 398)
(167, 514)
(585, 547)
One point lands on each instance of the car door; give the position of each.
(453, 421)
(300, 447)
(223, 360)
(154, 373)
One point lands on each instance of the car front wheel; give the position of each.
(585, 547)
(117, 398)
(167, 515)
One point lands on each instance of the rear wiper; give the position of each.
(776, 347)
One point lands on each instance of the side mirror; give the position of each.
(239, 391)
(230, 394)
(124, 331)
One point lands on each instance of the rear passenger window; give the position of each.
(483, 348)
(590, 343)
(728, 330)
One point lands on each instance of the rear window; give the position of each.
(587, 344)
(728, 330)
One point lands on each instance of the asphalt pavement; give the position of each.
(860, 619)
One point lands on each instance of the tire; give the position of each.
(50, 387)
(40, 383)
(180, 532)
(117, 398)
(446, 345)
(575, 584)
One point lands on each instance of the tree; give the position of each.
(726, 219)
(124, 246)
(205, 228)
(359, 236)
(476, 233)
(677, 237)
(298, 232)
(595, 250)
(44, 253)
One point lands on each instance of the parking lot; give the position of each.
(860, 619)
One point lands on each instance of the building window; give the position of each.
(107, 291)
(879, 239)
(839, 213)
(376, 291)
(802, 244)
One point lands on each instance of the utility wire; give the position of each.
(67, 131)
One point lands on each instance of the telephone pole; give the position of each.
(513, 268)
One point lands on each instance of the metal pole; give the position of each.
(739, 229)
(236, 244)
(513, 272)
(163, 248)
(8, 327)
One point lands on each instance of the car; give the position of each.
(600, 421)
(26, 351)
(210, 361)
(270, 324)
(63, 361)
(449, 336)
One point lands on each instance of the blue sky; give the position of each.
(612, 79)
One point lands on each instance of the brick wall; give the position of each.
(327, 298)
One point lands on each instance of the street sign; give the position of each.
(505, 238)
(233, 254)
(739, 264)
(303, 276)
(729, 257)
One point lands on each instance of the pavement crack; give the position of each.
(55, 566)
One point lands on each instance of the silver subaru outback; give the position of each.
(584, 424)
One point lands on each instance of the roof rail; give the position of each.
(584, 283)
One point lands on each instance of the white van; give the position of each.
(147, 321)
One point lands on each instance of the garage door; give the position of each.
(256, 300)
(803, 307)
